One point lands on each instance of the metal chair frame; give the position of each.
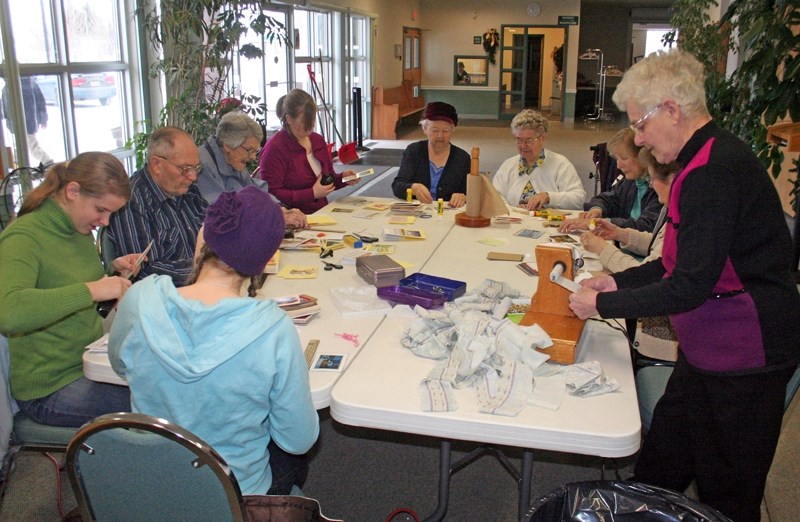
(205, 456)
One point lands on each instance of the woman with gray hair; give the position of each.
(536, 177)
(724, 280)
(225, 156)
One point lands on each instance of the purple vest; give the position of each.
(724, 333)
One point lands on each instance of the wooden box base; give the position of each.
(564, 330)
(464, 220)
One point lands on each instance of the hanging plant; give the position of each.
(490, 42)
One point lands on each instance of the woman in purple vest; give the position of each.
(724, 280)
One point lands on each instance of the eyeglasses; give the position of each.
(185, 169)
(528, 141)
(249, 151)
(638, 126)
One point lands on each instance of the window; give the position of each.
(73, 55)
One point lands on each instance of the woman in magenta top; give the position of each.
(296, 160)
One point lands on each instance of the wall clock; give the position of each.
(534, 9)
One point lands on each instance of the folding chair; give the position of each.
(18, 432)
(129, 466)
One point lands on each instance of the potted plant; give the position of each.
(198, 41)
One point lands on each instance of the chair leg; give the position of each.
(59, 467)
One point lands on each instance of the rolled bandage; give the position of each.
(556, 272)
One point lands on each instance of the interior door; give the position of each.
(533, 71)
(412, 45)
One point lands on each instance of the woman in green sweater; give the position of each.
(50, 281)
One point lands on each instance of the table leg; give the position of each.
(525, 482)
(444, 482)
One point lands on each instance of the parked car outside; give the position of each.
(93, 87)
(99, 86)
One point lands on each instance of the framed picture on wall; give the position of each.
(470, 70)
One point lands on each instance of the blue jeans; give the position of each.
(77, 403)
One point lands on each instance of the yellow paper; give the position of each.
(402, 220)
(315, 220)
(298, 272)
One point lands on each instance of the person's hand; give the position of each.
(422, 193)
(591, 213)
(603, 283)
(584, 302)
(538, 201)
(458, 200)
(107, 288)
(126, 265)
(353, 181)
(294, 218)
(320, 190)
(573, 225)
(608, 230)
(593, 243)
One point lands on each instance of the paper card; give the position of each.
(563, 238)
(378, 206)
(329, 362)
(352, 200)
(528, 232)
(366, 214)
(298, 272)
(402, 220)
(315, 220)
(342, 209)
(492, 241)
(380, 248)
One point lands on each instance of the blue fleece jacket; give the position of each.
(232, 373)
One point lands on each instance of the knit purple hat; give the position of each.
(441, 111)
(244, 229)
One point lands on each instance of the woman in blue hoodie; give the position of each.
(226, 367)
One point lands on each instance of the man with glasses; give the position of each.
(537, 177)
(226, 156)
(166, 207)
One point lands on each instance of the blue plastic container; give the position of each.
(411, 296)
(450, 288)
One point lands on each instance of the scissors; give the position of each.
(365, 239)
(331, 266)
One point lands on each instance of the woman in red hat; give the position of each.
(434, 168)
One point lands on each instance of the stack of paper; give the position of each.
(301, 308)
(413, 208)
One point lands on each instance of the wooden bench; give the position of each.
(391, 105)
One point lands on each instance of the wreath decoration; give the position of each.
(490, 42)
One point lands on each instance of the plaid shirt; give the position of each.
(170, 222)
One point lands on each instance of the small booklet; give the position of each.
(399, 234)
